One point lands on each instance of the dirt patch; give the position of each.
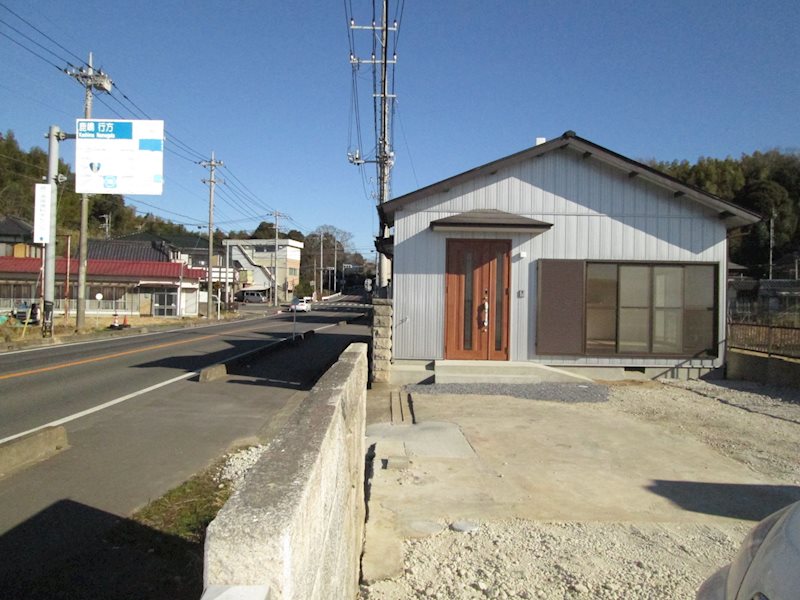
(754, 424)
(745, 436)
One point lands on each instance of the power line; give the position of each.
(36, 54)
(30, 39)
(161, 209)
(240, 196)
(42, 33)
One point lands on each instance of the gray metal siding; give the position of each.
(597, 212)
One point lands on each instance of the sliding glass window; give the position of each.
(650, 309)
(601, 308)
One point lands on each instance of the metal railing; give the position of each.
(771, 339)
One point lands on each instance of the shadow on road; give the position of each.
(737, 500)
(76, 552)
(296, 366)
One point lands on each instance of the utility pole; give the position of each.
(211, 165)
(107, 224)
(276, 214)
(90, 80)
(771, 239)
(334, 264)
(385, 158)
(54, 136)
(321, 261)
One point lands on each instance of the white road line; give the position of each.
(99, 407)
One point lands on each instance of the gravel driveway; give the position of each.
(753, 428)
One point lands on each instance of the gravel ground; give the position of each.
(237, 464)
(554, 392)
(756, 425)
(523, 559)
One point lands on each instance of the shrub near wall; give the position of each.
(296, 526)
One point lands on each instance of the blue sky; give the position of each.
(267, 86)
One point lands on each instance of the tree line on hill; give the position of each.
(767, 183)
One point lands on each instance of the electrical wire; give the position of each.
(30, 39)
(159, 208)
(408, 149)
(36, 54)
(42, 33)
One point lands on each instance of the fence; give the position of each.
(771, 339)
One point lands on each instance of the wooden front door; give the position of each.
(476, 299)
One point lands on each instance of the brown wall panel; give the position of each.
(560, 319)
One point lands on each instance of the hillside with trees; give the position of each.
(765, 182)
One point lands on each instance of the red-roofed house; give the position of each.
(127, 287)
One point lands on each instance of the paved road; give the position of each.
(135, 450)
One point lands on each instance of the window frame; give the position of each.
(652, 265)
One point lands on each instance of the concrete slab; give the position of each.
(431, 439)
(24, 451)
(480, 458)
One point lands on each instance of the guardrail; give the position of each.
(770, 339)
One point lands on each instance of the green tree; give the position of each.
(772, 201)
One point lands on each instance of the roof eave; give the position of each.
(732, 215)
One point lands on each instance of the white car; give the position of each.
(766, 566)
(300, 305)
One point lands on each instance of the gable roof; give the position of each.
(105, 268)
(138, 250)
(732, 215)
(14, 227)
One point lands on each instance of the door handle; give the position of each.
(486, 314)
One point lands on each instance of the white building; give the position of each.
(256, 262)
(564, 254)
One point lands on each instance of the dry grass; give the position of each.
(186, 511)
(12, 331)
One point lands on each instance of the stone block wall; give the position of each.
(296, 526)
(382, 314)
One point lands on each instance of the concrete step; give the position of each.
(486, 371)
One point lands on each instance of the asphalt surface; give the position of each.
(133, 451)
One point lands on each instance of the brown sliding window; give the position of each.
(631, 309)
(601, 309)
(650, 309)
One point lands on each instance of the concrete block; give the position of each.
(381, 332)
(382, 321)
(382, 311)
(380, 376)
(383, 547)
(382, 343)
(236, 592)
(297, 524)
(381, 354)
(382, 302)
(213, 373)
(29, 449)
(396, 463)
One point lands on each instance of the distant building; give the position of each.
(160, 289)
(255, 260)
(16, 238)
